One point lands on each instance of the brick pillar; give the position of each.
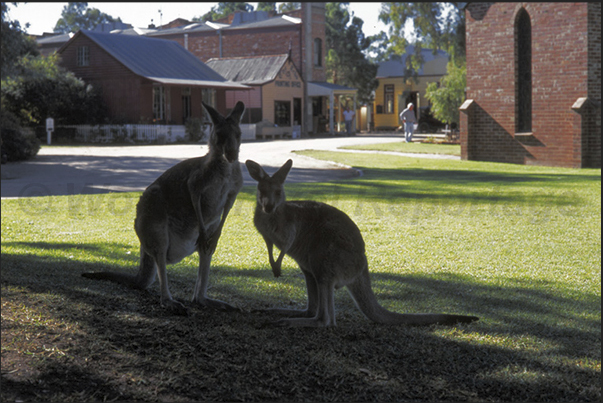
(466, 127)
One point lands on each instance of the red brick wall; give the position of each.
(244, 42)
(563, 70)
(121, 89)
(241, 42)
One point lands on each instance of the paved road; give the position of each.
(90, 170)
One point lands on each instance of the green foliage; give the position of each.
(447, 98)
(346, 63)
(224, 9)
(15, 44)
(44, 89)
(436, 26)
(268, 6)
(76, 16)
(17, 144)
(289, 6)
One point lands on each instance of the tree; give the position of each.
(436, 26)
(76, 16)
(16, 143)
(289, 6)
(224, 9)
(266, 6)
(449, 95)
(346, 63)
(15, 44)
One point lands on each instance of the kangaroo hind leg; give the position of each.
(166, 297)
(325, 309)
(202, 283)
(312, 306)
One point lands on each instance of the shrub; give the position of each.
(17, 144)
(44, 89)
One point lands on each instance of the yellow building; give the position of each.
(276, 85)
(395, 91)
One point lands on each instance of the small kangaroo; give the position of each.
(184, 210)
(329, 249)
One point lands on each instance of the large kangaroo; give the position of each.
(184, 211)
(329, 249)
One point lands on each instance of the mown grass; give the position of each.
(518, 246)
(404, 147)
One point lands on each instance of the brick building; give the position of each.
(136, 85)
(299, 34)
(533, 84)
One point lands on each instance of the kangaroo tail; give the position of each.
(365, 299)
(143, 279)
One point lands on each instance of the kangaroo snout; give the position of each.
(267, 205)
(231, 156)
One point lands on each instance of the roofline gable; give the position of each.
(284, 59)
(151, 57)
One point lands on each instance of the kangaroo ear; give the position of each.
(255, 170)
(237, 113)
(213, 114)
(283, 171)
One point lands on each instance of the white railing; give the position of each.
(160, 134)
(247, 131)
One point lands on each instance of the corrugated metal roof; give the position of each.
(54, 39)
(396, 66)
(156, 59)
(278, 21)
(281, 20)
(194, 27)
(324, 89)
(256, 70)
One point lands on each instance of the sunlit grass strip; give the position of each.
(404, 147)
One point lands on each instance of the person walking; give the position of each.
(408, 120)
(348, 116)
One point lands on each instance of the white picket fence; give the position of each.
(134, 133)
(146, 134)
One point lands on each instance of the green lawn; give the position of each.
(404, 147)
(518, 246)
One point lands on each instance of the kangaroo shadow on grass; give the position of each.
(121, 331)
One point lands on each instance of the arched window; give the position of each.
(523, 73)
(318, 52)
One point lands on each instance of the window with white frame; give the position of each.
(388, 99)
(208, 96)
(158, 102)
(83, 56)
(186, 103)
